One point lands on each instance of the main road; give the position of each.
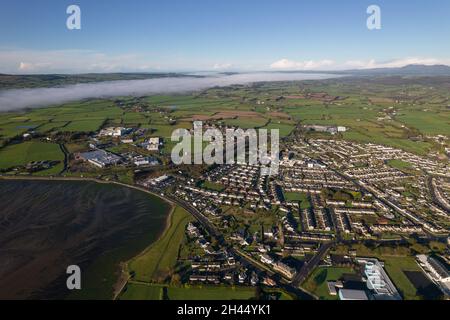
(309, 266)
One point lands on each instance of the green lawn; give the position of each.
(403, 166)
(211, 293)
(142, 291)
(212, 186)
(298, 196)
(156, 263)
(399, 164)
(135, 291)
(395, 267)
(317, 281)
(285, 129)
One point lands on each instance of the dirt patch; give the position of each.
(295, 97)
(281, 115)
(381, 100)
(223, 115)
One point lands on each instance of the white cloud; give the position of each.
(396, 63)
(285, 64)
(71, 61)
(222, 66)
(84, 61)
(32, 67)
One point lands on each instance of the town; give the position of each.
(253, 229)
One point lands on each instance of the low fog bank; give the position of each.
(17, 99)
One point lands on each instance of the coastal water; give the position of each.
(46, 226)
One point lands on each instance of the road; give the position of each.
(308, 267)
(209, 227)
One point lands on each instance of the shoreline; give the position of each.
(124, 274)
(58, 178)
(123, 277)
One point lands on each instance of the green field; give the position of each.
(317, 281)
(298, 196)
(212, 186)
(395, 267)
(211, 293)
(23, 153)
(367, 109)
(137, 291)
(142, 291)
(158, 261)
(429, 123)
(403, 166)
(84, 125)
(247, 123)
(50, 126)
(285, 129)
(12, 129)
(368, 135)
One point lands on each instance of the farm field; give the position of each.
(23, 153)
(285, 129)
(427, 122)
(84, 125)
(370, 113)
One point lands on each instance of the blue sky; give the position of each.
(192, 35)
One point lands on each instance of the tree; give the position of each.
(176, 279)
(321, 277)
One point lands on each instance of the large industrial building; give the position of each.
(100, 158)
(378, 280)
(350, 294)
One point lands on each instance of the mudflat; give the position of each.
(46, 226)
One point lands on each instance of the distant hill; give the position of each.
(54, 80)
(8, 81)
(413, 70)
